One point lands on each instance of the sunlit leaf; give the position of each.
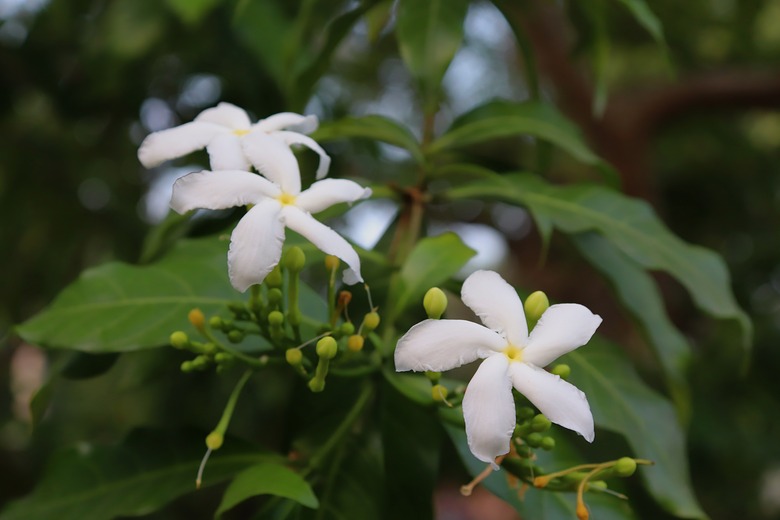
(379, 128)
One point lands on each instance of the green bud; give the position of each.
(327, 348)
(186, 366)
(200, 362)
(540, 423)
(223, 357)
(597, 484)
(524, 451)
(625, 467)
(562, 370)
(294, 259)
(548, 443)
(275, 296)
(355, 343)
(347, 328)
(439, 393)
(525, 413)
(371, 321)
(235, 336)
(179, 340)
(534, 439)
(197, 318)
(332, 263)
(209, 348)
(274, 279)
(214, 440)
(435, 303)
(215, 322)
(294, 356)
(275, 318)
(316, 384)
(433, 377)
(535, 305)
(227, 325)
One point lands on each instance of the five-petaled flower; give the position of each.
(511, 356)
(222, 130)
(278, 202)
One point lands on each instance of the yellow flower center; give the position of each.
(286, 199)
(514, 353)
(239, 132)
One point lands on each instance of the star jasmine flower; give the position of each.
(512, 358)
(277, 202)
(222, 131)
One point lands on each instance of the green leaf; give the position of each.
(267, 478)
(432, 262)
(622, 403)
(629, 224)
(192, 11)
(379, 128)
(264, 29)
(138, 477)
(640, 296)
(429, 34)
(599, 48)
(118, 307)
(645, 17)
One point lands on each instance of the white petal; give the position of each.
(489, 410)
(497, 305)
(228, 115)
(226, 153)
(220, 190)
(292, 138)
(255, 245)
(326, 240)
(440, 345)
(324, 194)
(164, 145)
(288, 120)
(561, 329)
(562, 402)
(273, 158)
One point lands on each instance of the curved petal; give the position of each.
(164, 145)
(326, 240)
(226, 114)
(220, 190)
(497, 305)
(561, 329)
(273, 158)
(290, 121)
(489, 410)
(562, 402)
(291, 138)
(255, 245)
(440, 345)
(226, 153)
(324, 194)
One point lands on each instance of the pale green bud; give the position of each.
(294, 259)
(535, 305)
(435, 303)
(327, 348)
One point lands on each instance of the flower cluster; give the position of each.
(512, 358)
(274, 197)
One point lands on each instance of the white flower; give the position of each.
(256, 242)
(511, 358)
(222, 130)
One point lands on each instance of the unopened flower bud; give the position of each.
(582, 510)
(316, 384)
(209, 348)
(347, 328)
(294, 356)
(332, 262)
(535, 305)
(214, 440)
(433, 377)
(215, 322)
(275, 296)
(548, 443)
(186, 366)
(294, 259)
(327, 348)
(534, 439)
(439, 392)
(625, 467)
(197, 318)
(275, 318)
(540, 423)
(435, 303)
(179, 339)
(355, 343)
(344, 298)
(274, 278)
(563, 370)
(525, 413)
(235, 336)
(371, 321)
(223, 357)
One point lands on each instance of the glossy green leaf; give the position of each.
(432, 262)
(118, 307)
(500, 118)
(629, 224)
(622, 403)
(192, 11)
(640, 296)
(138, 477)
(379, 128)
(267, 478)
(429, 34)
(645, 17)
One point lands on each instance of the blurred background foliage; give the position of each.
(692, 126)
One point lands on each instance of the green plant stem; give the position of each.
(224, 421)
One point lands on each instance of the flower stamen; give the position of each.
(286, 199)
(239, 132)
(514, 353)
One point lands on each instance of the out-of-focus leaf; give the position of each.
(599, 48)
(192, 11)
(429, 34)
(84, 366)
(414, 387)
(131, 27)
(379, 128)
(411, 440)
(264, 28)
(118, 307)
(164, 235)
(639, 294)
(378, 18)
(622, 403)
(267, 478)
(645, 17)
(629, 224)
(432, 262)
(145, 472)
